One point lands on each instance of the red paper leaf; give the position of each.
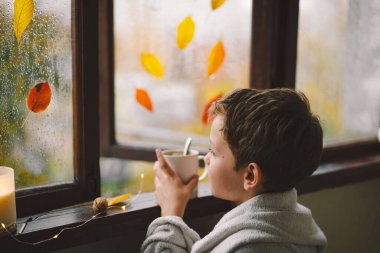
(207, 108)
(39, 97)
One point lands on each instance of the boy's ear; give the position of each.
(252, 177)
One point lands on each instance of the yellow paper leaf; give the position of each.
(143, 99)
(185, 32)
(215, 4)
(215, 59)
(23, 14)
(151, 64)
(118, 199)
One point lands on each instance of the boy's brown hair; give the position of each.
(275, 129)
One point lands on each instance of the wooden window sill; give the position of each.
(139, 215)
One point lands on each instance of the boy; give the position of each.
(263, 143)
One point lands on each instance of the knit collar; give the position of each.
(266, 201)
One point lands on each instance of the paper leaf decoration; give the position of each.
(39, 97)
(185, 32)
(215, 59)
(151, 64)
(143, 99)
(23, 13)
(215, 4)
(207, 108)
(118, 199)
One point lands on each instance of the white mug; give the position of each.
(185, 166)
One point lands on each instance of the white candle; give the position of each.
(7, 197)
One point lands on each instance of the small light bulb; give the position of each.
(93, 216)
(55, 237)
(2, 224)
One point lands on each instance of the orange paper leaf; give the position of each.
(215, 4)
(151, 64)
(185, 32)
(143, 99)
(39, 97)
(207, 108)
(215, 59)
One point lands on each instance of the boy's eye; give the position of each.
(211, 151)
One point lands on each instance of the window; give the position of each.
(180, 95)
(44, 111)
(337, 66)
(37, 142)
(131, 28)
(277, 50)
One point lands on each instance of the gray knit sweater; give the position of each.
(266, 223)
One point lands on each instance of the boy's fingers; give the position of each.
(160, 158)
(157, 170)
(163, 164)
(193, 183)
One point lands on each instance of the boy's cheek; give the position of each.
(210, 172)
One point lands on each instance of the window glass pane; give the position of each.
(338, 65)
(121, 176)
(178, 95)
(36, 137)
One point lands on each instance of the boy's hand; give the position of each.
(172, 195)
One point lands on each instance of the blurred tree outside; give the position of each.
(320, 62)
(337, 66)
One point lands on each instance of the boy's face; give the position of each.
(226, 182)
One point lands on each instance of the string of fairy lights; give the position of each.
(56, 236)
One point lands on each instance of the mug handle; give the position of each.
(204, 174)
